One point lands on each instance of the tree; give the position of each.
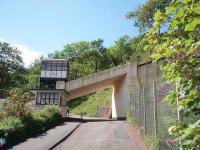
(16, 105)
(33, 72)
(125, 49)
(120, 51)
(179, 45)
(143, 15)
(11, 66)
(84, 57)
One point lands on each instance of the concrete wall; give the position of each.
(147, 73)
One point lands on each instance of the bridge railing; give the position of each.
(154, 115)
(96, 77)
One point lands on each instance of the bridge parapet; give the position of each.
(97, 77)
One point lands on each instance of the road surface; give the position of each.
(103, 135)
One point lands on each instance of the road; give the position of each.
(103, 135)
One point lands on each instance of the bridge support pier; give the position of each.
(63, 107)
(123, 90)
(119, 99)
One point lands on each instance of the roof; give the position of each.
(55, 60)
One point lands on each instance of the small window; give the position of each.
(43, 95)
(64, 66)
(59, 66)
(47, 98)
(56, 98)
(52, 98)
(44, 65)
(53, 66)
(48, 66)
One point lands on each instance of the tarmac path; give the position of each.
(103, 135)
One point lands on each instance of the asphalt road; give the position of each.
(103, 135)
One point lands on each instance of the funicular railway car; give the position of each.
(53, 77)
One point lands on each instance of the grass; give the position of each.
(88, 104)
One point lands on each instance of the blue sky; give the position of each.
(43, 26)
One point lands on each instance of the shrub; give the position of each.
(17, 103)
(19, 129)
(47, 117)
(14, 128)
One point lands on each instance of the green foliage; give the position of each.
(143, 15)
(16, 104)
(126, 49)
(47, 118)
(90, 57)
(130, 118)
(11, 66)
(14, 128)
(180, 47)
(19, 129)
(33, 73)
(149, 140)
(84, 57)
(89, 104)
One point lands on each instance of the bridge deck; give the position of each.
(96, 78)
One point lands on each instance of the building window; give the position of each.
(44, 65)
(53, 66)
(48, 66)
(54, 69)
(64, 66)
(47, 98)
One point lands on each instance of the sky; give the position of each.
(39, 27)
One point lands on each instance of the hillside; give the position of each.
(89, 103)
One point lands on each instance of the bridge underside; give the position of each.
(91, 88)
(122, 80)
(108, 83)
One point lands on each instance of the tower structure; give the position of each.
(53, 76)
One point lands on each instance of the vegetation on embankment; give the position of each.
(18, 122)
(18, 129)
(88, 104)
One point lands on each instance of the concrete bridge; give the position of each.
(124, 80)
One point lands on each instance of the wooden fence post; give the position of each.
(139, 108)
(155, 113)
(144, 98)
(135, 105)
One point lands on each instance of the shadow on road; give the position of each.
(85, 120)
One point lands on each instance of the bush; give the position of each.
(47, 118)
(17, 103)
(14, 128)
(19, 129)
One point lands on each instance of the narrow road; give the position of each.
(103, 135)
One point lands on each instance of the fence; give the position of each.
(153, 115)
